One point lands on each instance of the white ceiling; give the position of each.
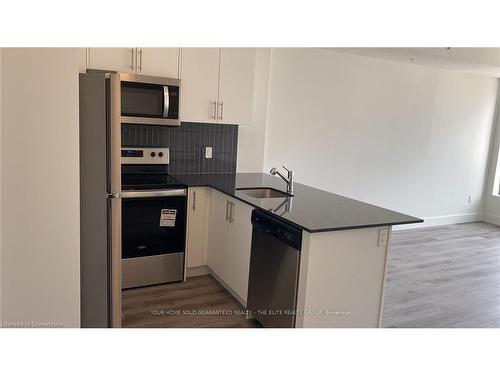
(484, 61)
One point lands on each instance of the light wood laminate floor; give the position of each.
(445, 276)
(200, 302)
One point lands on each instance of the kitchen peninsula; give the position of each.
(344, 248)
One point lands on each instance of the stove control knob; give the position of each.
(153, 154)
(160, 154)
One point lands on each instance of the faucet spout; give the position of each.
(288, 180)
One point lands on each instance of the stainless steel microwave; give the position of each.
(149, 100)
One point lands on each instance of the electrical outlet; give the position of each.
(208, 152)
(382, 237)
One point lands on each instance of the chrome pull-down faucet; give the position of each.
(288, 180)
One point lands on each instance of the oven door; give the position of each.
(153, 237)
(149, 103)
(153, 223)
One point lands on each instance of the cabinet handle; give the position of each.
(140, 60)
(227, 210)
(132, 60)
(194, 200)
(214, 110)
(221, 104)
(231, 212)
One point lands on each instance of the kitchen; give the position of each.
(167, 167)
(272, 154)
(176, 142)
(184, 176)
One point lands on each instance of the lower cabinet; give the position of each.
(197, 213)
(239, 247)
(229, 242)
(218, 231)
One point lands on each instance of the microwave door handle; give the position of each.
(166, 101)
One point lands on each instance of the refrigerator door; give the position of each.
(114, 173)
(95, 207)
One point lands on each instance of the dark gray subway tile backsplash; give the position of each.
(187, 145)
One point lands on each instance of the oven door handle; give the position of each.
(154, 193)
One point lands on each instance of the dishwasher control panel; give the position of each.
(283, 231)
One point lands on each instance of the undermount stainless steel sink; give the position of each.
(264, 193)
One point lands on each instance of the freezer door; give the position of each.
(114, 135)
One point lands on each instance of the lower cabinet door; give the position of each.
(218, 233)
(239, 247)
(196, 247)
(230, 242)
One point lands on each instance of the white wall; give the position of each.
(40, 186)
(251, 137)
(410, 138)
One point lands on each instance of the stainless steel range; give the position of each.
(153, 219)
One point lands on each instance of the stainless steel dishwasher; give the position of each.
(274, 271)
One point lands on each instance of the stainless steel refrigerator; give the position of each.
(100, 202)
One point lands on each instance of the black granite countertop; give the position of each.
(311, 209)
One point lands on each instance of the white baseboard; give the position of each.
(205, 270)
(491, 218)
(227, 287)
(443, 220)
(197, 271)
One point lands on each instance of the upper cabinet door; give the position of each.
(160, 62)
(115, 59)
(82, 60)
(199, 83)
(236, 85)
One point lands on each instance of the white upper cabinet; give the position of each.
(217, 85)
(159, 62)
(236, 85)
(82, 60)
(115, 59)
(199, 84)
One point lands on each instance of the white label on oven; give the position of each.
(167, 217)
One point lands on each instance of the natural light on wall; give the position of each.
(496, 181)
